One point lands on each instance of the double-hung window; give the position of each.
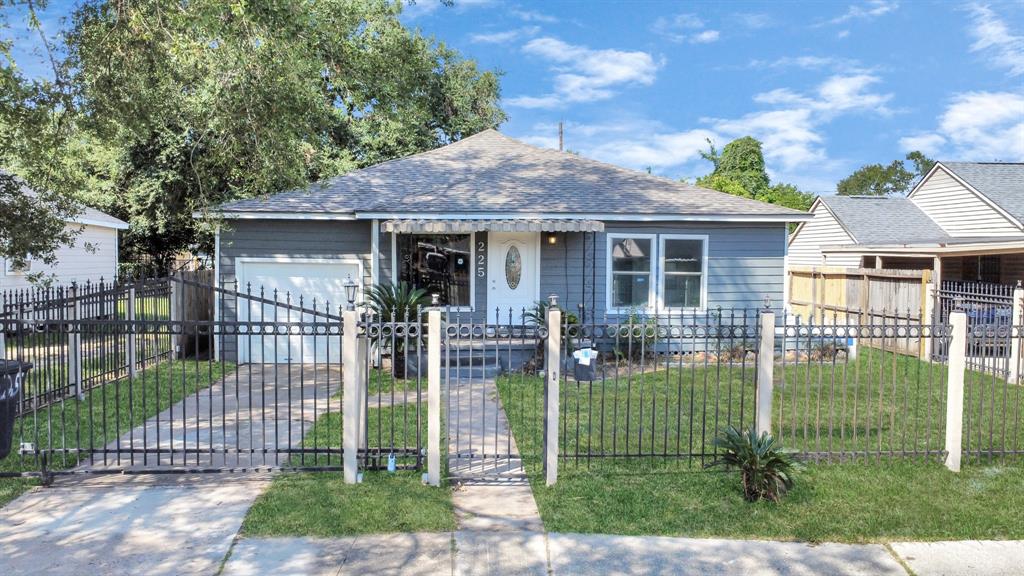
(656, 272)
(682, 269)
(631, 282)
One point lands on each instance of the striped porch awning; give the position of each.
(447, 226)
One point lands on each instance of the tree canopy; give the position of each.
(34, 192)
(177, 107)
(739, 169)
(879, 180)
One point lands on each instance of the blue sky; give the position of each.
(827, 86)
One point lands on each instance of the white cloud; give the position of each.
(993, 38)
(812, 63)
(705, 37)
(684, 28)
(754, 21)
(504, 37)
(982, 126)
(586, 75)
(532, 16)
(929, 144)
(842, 34)
(866, 11)
(790, 126)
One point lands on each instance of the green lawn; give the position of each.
(106, 413)
(846, 502)
(321, 504)
(880, 401)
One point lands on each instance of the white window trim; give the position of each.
(652, 297)
(703, 274)
(472, 274)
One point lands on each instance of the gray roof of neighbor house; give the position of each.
(85, 216)
(1000, 182)
(492, 173)
(883, 220)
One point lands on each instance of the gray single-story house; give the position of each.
(491, 224)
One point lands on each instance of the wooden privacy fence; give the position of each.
(829, 295)
(192, 299)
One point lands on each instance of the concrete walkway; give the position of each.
(153, 525)
(585, 554)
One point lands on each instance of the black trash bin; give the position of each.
(12, 378)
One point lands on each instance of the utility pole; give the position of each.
(561, 146)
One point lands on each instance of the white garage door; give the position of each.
(322, 281)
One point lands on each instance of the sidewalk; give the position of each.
(557, 554)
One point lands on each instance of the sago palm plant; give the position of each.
(395, 303)
(766, 470)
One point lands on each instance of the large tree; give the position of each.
(879, 180)
(36, 196)
(188, 104)
(739, 169)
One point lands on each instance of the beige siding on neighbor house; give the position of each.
(76, 263)
(823, 230)
(958, 210)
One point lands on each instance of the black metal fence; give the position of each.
(636, 391)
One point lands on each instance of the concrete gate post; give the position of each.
(765, 372)
(554, 362)
(351, 395)
(434, 397)
(1016, 319)
(955, 389)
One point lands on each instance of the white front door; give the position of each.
(513, 273)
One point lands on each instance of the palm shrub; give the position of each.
(395, 303)
(766, 470)
(537, 315)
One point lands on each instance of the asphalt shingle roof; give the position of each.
(489, 172)
(881, 220)
(86, 213)
(1000, 182)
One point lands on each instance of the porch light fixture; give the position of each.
(350, 292)
(552, 239)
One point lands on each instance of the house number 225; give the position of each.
(481, 259)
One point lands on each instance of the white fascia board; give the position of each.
(280, 215)
(100, 223)
(587, 216)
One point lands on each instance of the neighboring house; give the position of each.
(93, 255)
(963, 220)
(492, 225)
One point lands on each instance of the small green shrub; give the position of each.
(766, 470)
(396, 303)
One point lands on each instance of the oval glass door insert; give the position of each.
(513, 267)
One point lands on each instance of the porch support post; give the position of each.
(955, 391)
(1016, 319)
(937, 295)
(434, 397)
(765, 368)
(132, 355)
(351, 404)
(554, 362)
(75, 345)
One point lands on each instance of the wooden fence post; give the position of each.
(132, 340)
(765, 375)
(351, 404)
(955, 389)
(1016, 319)
(75, 345)
(551, 396)
(434, 397)
(927, 317)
